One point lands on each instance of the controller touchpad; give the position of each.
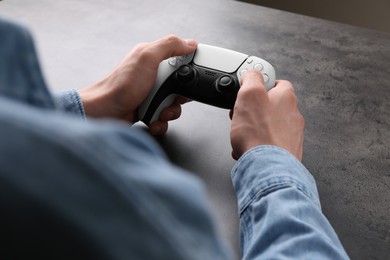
(218, 58)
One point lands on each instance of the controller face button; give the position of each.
(265, 77)
(185, 73)
(258, 66)
(243, 71)
(225, 84)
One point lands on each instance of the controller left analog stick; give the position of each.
(185, 73)
(225, 84)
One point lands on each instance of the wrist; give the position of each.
(265, 147)
(101, 101)
(94, 99)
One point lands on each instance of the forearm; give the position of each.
(280, 212)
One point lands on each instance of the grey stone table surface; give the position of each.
(341, 75)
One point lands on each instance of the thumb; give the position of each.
(252, 85)
(172, 45)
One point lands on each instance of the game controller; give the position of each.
(210, 75)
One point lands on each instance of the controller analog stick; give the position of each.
(185, 73)
(225, 84)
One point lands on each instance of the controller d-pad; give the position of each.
(183, 58)
(172, 61)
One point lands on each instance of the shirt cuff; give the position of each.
(70, 101)
(265, 169)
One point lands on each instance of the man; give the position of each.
(97, 189)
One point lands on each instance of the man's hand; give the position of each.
(121, 92)
(266, 118)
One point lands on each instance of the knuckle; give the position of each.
(157, 50)
(288, 86)
(140, 47)
(172, 39)
(143, 51)
(251, 92)
(288, 92)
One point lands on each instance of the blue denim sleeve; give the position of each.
(70, 101)
(279, 208)
(110, 185)
(21, 76)
(78, 189)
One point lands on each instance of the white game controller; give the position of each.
(210, 75)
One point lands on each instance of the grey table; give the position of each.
(341, 75)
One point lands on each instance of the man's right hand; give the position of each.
(266, 118)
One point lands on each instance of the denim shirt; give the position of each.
(279, 206)
(72, 188)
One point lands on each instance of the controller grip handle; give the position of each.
(156, 114)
